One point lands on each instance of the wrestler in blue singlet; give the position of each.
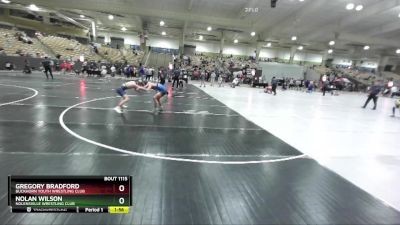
(122, 90)
(161, 88)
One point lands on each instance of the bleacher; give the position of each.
(157, 60)
(132, 58)
(322, 70)
(364, 77)
(13, 47)
(120, 55)
(388, 75)
(357, 75)
(234, 62)
(69, 49)
(111, 54)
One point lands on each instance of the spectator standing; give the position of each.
(202, 78)
(396, 106)
(153, 71)
(134, 71)
(310, 87)
(325, 86)
(306, 83)
(149, 73)
(63, 67)
(27, 67)
(78, 67)
(177, 73)
(274, 83)
(220, 81)
(159, 74)
(185, 76)
(395, 91)
(113, 70)
(129, 71)
(51, 64)
(85, 67)
(388, 88)
(213, 76)
(103, 70)
(141, 71)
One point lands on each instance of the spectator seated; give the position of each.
(70, 49)
(16, 43)
(111, 54)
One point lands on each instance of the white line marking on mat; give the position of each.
(188, 112)
(154, 156)
(138, 125)
(20, 100)
(158, 154)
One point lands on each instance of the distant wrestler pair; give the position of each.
(159, 87)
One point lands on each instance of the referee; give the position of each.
(373, 94)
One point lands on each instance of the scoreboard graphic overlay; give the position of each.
(70, 194)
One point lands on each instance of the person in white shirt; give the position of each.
(8, 66)
(202, 78)
(213, 76)
(220, 81)
(103, 70)
(113, 70)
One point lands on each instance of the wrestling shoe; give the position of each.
(124, 106)
(118, 109)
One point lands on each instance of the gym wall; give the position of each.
(278, 70)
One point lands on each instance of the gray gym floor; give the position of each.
(198, 162)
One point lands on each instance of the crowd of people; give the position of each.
(217, 69)
(101, 69)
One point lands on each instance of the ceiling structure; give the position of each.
(313, 22)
